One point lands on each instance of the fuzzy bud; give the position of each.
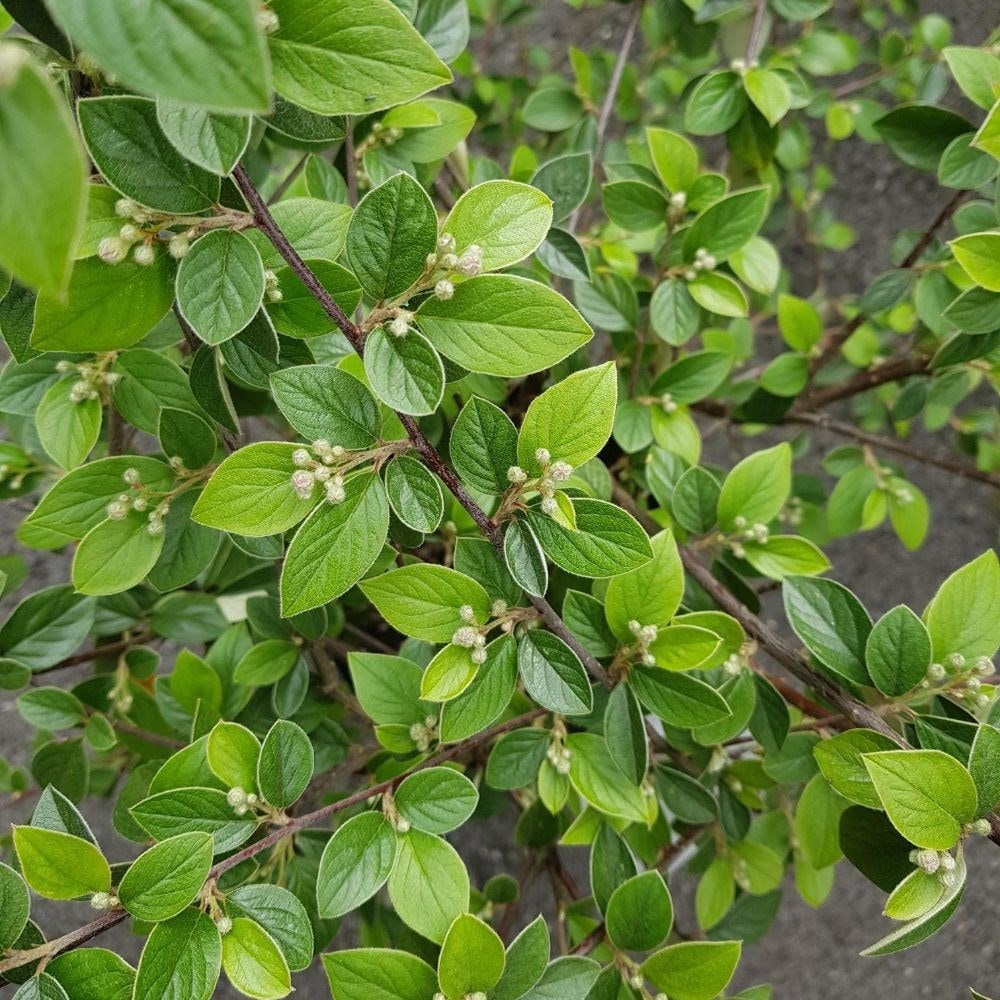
(498, 608)
(936, 672)
(178, 247)
(479, 656)
(112, 250)
(399, 327)
(983, 666)
(446, 243)
(465, 636)
(224, 925)
(154, 525)
(982, 827)
(467, 614)
(129, 232)
(103, 901)
(402, 825)
(301, 458)
(335, 492)
(444, 290)
(956, 661)
(144, 254)
(550, 506)
(302, 482)
(267, 21)
(471, 261)
(516, 475)
(126, 208)
(116, 510)
(236, 797)
(543, 456)
(947, 879)
(668, 404)
(561, 471)
(928, 861)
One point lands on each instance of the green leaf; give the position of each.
(379, 974)
(167, 878)
(726, 225)
(44, 194)
(447, 675)
(336, 546)
(757, 487)
(674, 158)
(297, 313)
(769, 93)
(553, 674)
(566, 180)
(186, 436)
(47, 626)
(93, 974)
(976, 71)
(251, 492)
(423, 601)
(41, 986)
(182, 810)
(715, 893)
(232, 752)
(927, 794)
(392, 232)
(414, 493)
(210, 55)
(634, 206)
(105, 308)
(322, 59)
(253, 961)
(571, 420)
(181, 959)
(841, 760)
(116, 555)
(524, 558)
(436, 799)
(919, 133)
(355, 864)
(68, 428)
(677, 698)
(898, 652)
(121, 132)
(831, 622)
(209, 140)
(964, 615)
(693, 377)
(220, 285)
(483, 446)
(625, 733)
(640, 913)
(429, 885)
(914, 896)
(718, 293)
(607, 540)
(315, 228)
(693, 970)
(281, 914)
(516, 758)
(15, 905)
(782, 556)
(978, 255)
(406, 373)
(715, 105)
(485, 699)
(650, 594)
(150, 382)
(695, 500)
(388, 688)
(597, 778)
(673, 313)
(526, 959)
(324, 402)
(266, 662)
(504, 325)
(984, 766)
(472, 958)
(923, 927)
(817, 822)
(60, 866)
(285, 766)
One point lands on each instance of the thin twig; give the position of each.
(862, 381)
(755, 39)
(289, 179)
(108, 649)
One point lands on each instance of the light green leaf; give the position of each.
(44, 195)
(182, 810)
(254, 963)
(976, 71)
(379, 974)
(181, 959)
(674, 158)
(429, 885)
(571, 420)
(979, 255)
(60, 866)
(499, 324)
(116, 555)
(600, 781)
(213, 141)
(15, 905)
(472, 958)
(817, 821)
(898, 652)
(281, 914)
(927, 794)
(984, 766)
(355, 864)
(322, 58)
(693, 970)
(336, 546)
(406, 373)
(232, 752)
(964, 615)
(678, 698)
(786, 555)
(640, 913)
(315, 228)
(450, 672)
(650, 594)
(285, 766)
(757, 487)
(769, 93)
(841, 760)
(68, 428)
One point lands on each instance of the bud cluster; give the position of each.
(645, 636)
(314, 465)
(423, 735)
(678, 205)
(140, 501)
(559, 756)
(400, 324)
(553, 473)
(668, 403)
(241, 801)
(791, 513)
(758, 533)
(93, 382)
(103, 901)
(963, 677)
(267, 20)
(471, 636)
(271, 290)
(736, 662)
(939, 863)
(445, 263)
(703, 261)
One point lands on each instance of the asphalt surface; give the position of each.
(809, 954)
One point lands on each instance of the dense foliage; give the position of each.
(367, 391)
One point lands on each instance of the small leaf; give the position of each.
(898, 652)
(472, 958)
(167, 878)
(355, 864)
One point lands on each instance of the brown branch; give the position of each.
(432, 458)
(881, 441)
(891, 371)
(289, 179)
(754, 41)
(107, 920)
(835, 340)
(109, 649)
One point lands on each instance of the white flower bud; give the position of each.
(402, 825)
(116, 510)
(648, 660)
(516, 475)
(399, 327)
(947, 879)
(948, 863)
(983, 666)
(301, 458)
(738, 65)
(928, 861)
(549, 505)
(956, 661)
(446, 243)
(467, 614)
(465, 636)
(444, 290)
(236, 797)
(224, 925)
(129, 232)
(112, 250)
(479, 656)
(498, 608)
(648, 634)
(708, 262)
(302, 482)
(667, 402)
(690, 274)
(178, 247)
(635, 626)
(543, 456)
(678, 199)
(738, 550)
(335, 492)
(103, 901)
(936, 672)
(111, 378)
(274, 294)
(139, 504)
(449, 261)
(561, 471)
(471, 261)
(430, 262)
(144, 254)
(267, 21)
(270, 278)
(982, 827)
(154, 525)
(126, 208)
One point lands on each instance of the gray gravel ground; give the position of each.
(809, 953)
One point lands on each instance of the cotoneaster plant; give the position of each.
(358, 401)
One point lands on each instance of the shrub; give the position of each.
(371, 392)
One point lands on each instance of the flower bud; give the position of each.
(402, 825)
(126, 208)
(399, 327)
(444, 290)
(302, 482)
(236, 797)
(956, 661)
(543, 456)
(498, 608)
(178, 247)
(154, 525)
(144, 254)
(103, 901)
(139, 504)
(224, 925)
(267, 21)
(561, 471)
(465, 636)
(928, 860)
(516, 475)
(678, 199)
(112, 250)
(983, 666)
(129, 232)
(936, 672)
(550, 506)
(467, 614)
(116, 510)
(479, 656)
(301, 458)
(446, 243)
(982, 827)
(449, 261)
